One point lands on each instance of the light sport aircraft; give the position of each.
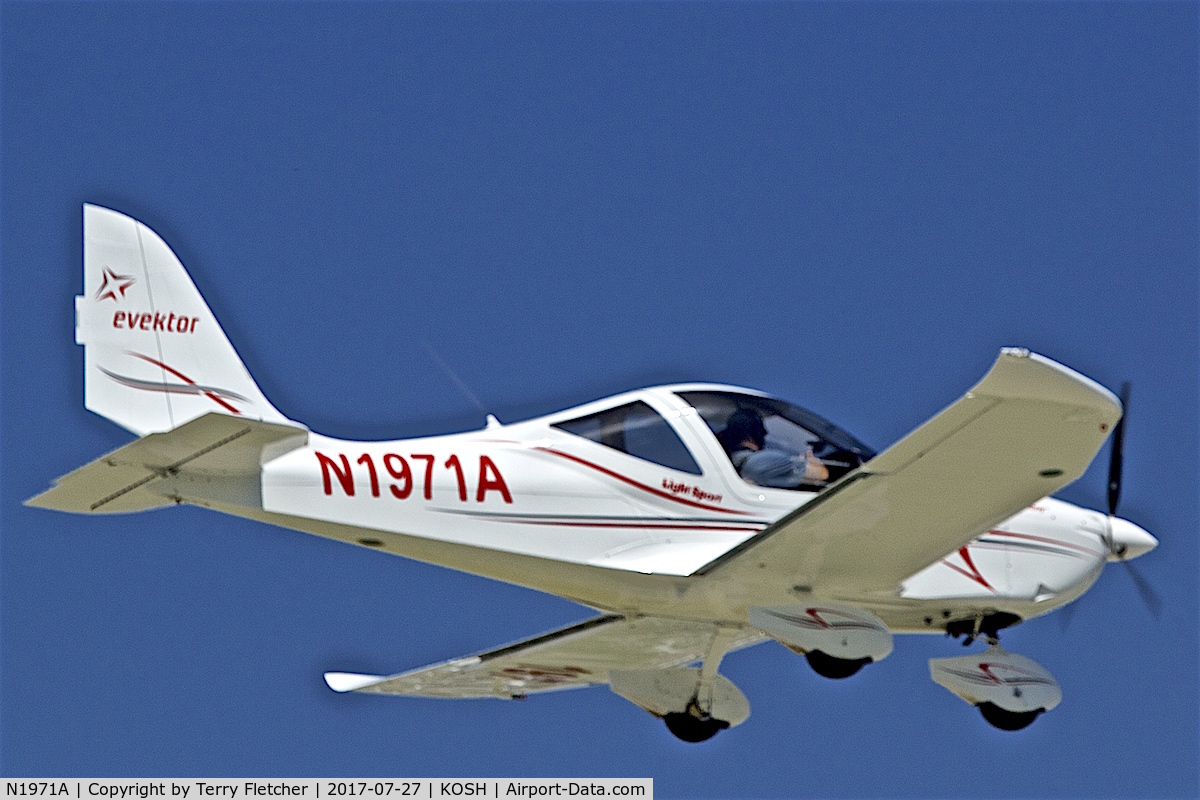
(632, 505)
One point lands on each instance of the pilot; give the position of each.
(744, 439)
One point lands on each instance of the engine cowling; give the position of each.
(837, 631)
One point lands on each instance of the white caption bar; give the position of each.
(326, 788)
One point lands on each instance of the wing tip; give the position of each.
(351, 681)
(1048, 380)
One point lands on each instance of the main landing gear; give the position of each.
(694, 725)
(695, 703)
(1008, 720)
(828, 666)
(716, 704)
(1010, 690)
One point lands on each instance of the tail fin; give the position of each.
(154, 355)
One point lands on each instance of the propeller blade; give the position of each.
(1149, 596)
(1065, 615)
(1118, 443)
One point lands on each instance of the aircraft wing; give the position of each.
(569, 658)
(1030, 427)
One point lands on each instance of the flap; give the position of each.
(1030, 427)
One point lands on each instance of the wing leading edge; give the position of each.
(1030, 427)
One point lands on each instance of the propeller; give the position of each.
(1149, 597)
(1116, 459)
(1122, 539)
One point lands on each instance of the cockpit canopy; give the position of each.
(768, 442)
(775, 444)
(635, 429)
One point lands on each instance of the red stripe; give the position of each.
(185, 379)
(1058, 542)
(639, 485)
(1015, 547)
(962, 571)
(650, 525)
(973, 574)
(986, 669)
(812, 612)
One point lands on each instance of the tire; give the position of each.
(694, 729)
(828, 666)
(1006, 720)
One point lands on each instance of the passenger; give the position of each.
(744, 439)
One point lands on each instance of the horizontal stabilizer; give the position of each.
(214, 445)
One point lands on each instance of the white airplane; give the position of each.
(697, 519)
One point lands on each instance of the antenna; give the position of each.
(458, 382)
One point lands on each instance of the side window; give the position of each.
(637, 430)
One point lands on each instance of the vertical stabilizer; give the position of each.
(154, 355)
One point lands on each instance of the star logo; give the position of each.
(113, 284)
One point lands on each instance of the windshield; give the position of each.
(776, 444)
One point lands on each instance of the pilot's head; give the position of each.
(744, 426)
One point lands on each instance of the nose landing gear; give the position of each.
(987, 627)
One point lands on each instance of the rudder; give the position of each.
(154, 355)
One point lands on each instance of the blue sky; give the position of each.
(850, 205)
